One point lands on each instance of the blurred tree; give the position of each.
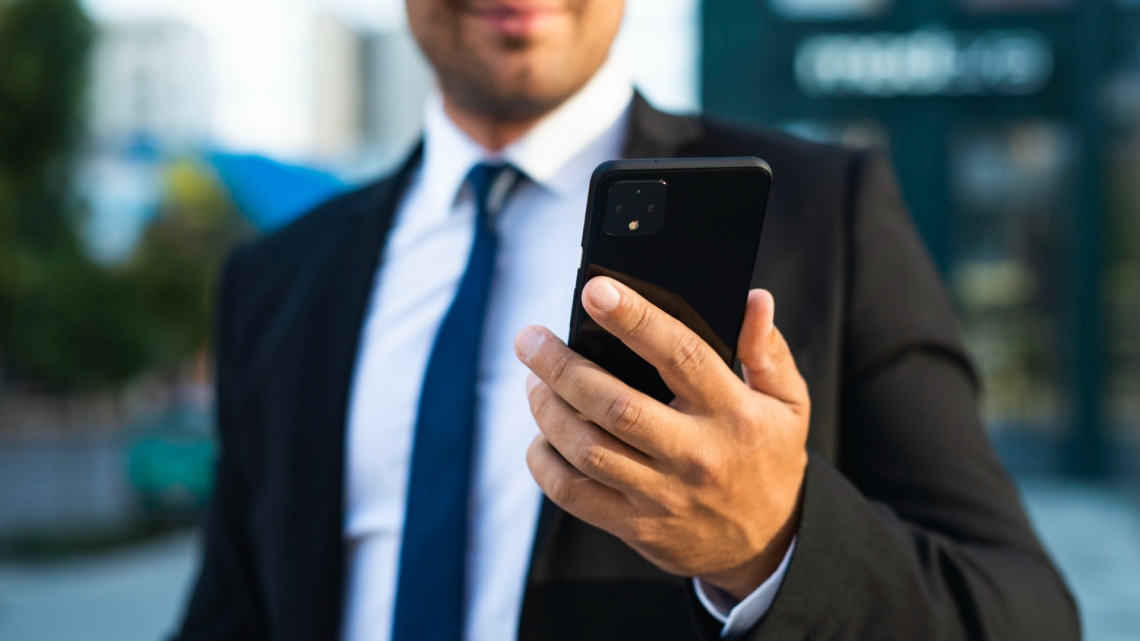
(67, 323)
(49, 328)
(43, 64)
(177, 260)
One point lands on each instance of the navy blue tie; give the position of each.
(430, 592)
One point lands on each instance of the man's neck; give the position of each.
(493, 134)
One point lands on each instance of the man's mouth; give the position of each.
(516, 19)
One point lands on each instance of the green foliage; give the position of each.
(78, 325)
(43, 54)
(67, 323)
(73, 325)
(43, 68)
(176, 263)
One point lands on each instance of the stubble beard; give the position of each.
(475, 89)
(475, 84)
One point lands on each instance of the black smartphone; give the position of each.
(684, 234)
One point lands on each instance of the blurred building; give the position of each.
(149, 93)
(338, 89)
(398, 81)
(150, 85)
(1013, 125)
(151, 100)
(369, 91)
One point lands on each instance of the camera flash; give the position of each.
(634, 225)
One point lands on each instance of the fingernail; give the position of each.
(604, 295)
(532, 379)
(528, 341)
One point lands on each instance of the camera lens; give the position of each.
(636, 208)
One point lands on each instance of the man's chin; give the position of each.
(514, 85)
(512, 103)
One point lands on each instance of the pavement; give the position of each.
(1093, 533)
(137, 593)
(133, 594)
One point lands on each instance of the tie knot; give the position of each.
(491, 184)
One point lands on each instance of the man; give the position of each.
(385, 449)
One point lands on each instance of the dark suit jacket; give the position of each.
(910, 530)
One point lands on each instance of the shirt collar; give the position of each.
(557, 139)
(572, 127)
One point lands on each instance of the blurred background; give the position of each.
(139, 139)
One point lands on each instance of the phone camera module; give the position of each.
(636, 208)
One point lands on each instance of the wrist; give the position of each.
(742, 580)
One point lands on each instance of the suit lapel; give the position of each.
(656, 134)
(343, 281)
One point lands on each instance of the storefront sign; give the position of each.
(926, 62)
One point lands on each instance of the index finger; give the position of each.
(687, 364)
(634, 417)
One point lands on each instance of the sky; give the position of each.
(261, 57)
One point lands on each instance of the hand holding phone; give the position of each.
(697, 470)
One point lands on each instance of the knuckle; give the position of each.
(590, 456)
(778, 358)
(640, 320)
(560, 490)
(646, 531)
(779, 354)
(738, 412)
(561, 368)
(623, 413)
(702, 469)
(540, 403)
(690, 355)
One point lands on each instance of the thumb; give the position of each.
(769, 366)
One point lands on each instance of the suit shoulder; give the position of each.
(267, 277)
(815, 180)
(282, 254)
(294, 241)
(775, 146)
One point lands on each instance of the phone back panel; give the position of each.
(697, 265)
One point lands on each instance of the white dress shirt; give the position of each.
(540, 230)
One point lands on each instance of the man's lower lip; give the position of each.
(516, 23)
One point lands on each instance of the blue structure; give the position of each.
(270, 193)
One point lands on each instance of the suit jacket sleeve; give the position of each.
(916, 532)
(226, 603)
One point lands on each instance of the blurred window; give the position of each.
(1010, 190)
(829, 9)
(1122, 240)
